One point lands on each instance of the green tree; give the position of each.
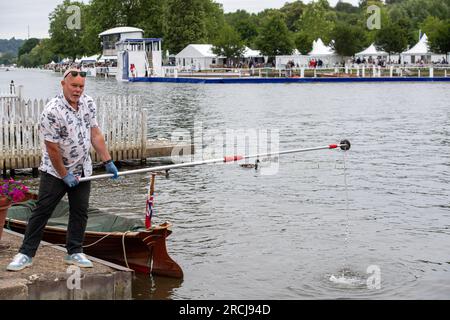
(245, 24)
(317, 21)
(392, 38)
(99, 16)
(214, 20)
(27, 46)
(151, 17)
(293, 11)
(348, 39)
(345, 7)
(186, 24)
(438, 33)
(8, 58)
(229, 43)
(12, 45)
(41, 54)
(303, 42)
(274, 37)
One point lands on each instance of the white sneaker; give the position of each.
(20, 261)
(78, 259)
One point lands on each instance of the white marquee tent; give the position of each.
(249, 53)
(324, 53)
(372, 52)
(421, 51)
(320, 50)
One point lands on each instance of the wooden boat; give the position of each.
(117, 239)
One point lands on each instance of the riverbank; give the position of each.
(50, 279)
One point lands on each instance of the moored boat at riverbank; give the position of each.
(118, 239)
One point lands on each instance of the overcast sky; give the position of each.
(17, 15)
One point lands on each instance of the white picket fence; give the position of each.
(122, 120)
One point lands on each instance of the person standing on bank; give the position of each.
(67, 128)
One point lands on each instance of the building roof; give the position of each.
(120, 30)
(89, 59)
(205, 51)
(104, 58)
(146, 40)
(197, 51)
(319, 49)
(371, 51)
(421, 48)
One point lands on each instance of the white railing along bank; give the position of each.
(122, 119)
(306, 72)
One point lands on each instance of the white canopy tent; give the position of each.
(104, 58)
(320, 50)
(197, 56)
(91, 59)
(421, 52)
(324, 53)
(371, 51)
(250, 53)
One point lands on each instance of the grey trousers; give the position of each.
(51, 191)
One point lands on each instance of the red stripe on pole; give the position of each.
(232, 158)
(333, 146)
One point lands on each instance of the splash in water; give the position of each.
(348, 278)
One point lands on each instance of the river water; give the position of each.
(241, 234)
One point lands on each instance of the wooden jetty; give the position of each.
(122, 120)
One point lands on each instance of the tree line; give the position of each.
(272, 31)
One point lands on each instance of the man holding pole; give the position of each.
(68, 128)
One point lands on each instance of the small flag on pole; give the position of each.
(149, 212)
(149, 204)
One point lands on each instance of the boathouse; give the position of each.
(112, 36)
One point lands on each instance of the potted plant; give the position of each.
(11, 191)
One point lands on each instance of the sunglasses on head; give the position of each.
(76, 74)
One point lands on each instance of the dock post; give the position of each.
(302, 72)
(143, 133)
(374, 71)
(357, 70)
(418, 72)
(346, 69)
(20, 92)
(391, 71)
(35, 172)
(431, 72)
(363, 72)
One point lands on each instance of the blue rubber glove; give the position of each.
(71, 180)
(111, 168)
